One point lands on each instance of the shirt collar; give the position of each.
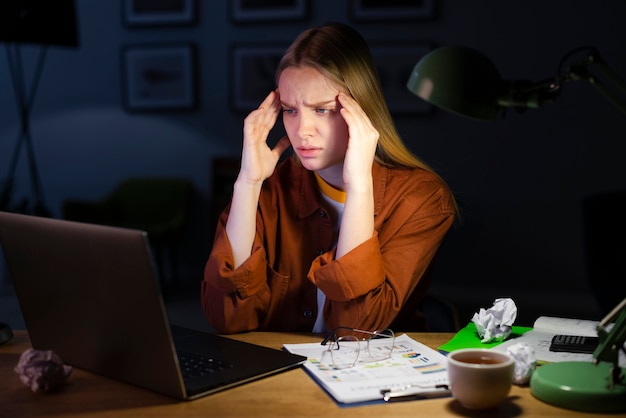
(311, 199)
(329, 190)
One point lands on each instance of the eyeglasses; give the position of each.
(345, 351)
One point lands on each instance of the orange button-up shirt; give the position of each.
(293, 254)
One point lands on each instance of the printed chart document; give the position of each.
(411, 364)
(546, 327)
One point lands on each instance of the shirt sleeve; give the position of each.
(234, 299)
(368, 286)
(338, 278)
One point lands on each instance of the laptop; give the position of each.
(91, 294)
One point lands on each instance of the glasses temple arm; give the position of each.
(333, 334)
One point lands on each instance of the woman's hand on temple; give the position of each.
(361, 145)
(258, 160)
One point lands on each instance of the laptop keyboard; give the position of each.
(193, 365)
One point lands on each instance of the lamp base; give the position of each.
(578, 385)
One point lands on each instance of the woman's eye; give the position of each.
(289, 111)
(322, 111)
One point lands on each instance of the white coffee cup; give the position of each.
(480, 378)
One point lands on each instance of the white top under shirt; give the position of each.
(337, 199)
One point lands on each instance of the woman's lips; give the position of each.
(308, 152)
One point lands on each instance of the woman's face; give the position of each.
(316, 129)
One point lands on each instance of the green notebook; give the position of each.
(468, 338)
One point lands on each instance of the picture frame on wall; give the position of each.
(394, 64)
(136, 13)
(382, 10)
(245, 11)
(253, 69)
(159, 77)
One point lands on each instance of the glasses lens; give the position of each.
(380, 344)
(345, 351)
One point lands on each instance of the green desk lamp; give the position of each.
(462, 80)
(597, 386)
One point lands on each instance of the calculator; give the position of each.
(574, 344)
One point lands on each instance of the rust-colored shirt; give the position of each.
(293, 254)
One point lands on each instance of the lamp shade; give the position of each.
(460, 80)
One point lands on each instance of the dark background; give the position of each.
(521, 179)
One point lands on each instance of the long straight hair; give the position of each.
(341, 54)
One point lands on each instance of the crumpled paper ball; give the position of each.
(42, 370)
(525, 362)
(496, 323)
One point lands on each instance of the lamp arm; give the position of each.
(526, 95)
(611, 342)
(581, 71)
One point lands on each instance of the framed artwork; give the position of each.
(380, 10)
(159, 76)
(268, 10)
(394, 64)
(158, 12)
(252, 74)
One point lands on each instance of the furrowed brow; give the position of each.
(332, 102)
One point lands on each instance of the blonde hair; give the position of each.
(341, 54)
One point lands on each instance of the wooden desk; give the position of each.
(289, 394)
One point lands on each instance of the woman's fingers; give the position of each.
(260, 121)
(362, 142)
(258, 160)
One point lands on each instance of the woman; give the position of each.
(344, 231)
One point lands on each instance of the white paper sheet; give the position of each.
(411, 363)
(546, 327)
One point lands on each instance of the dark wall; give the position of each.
(521, 180)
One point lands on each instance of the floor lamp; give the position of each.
(43, 23)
